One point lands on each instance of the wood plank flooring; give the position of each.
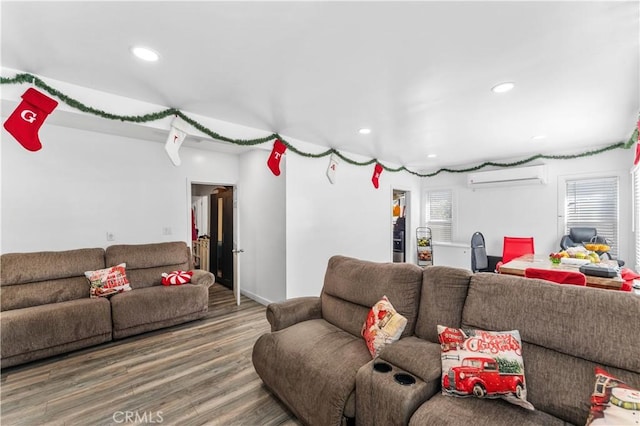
(199, 373)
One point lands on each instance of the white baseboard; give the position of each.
(255, 297)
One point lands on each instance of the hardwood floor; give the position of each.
(199, 373)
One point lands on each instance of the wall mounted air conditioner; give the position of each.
(530, 175)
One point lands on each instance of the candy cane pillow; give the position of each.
(176, 277)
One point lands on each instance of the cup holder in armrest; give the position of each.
(381, 367)
(404, 379)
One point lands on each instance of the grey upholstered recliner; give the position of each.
(577, 236)
(580, 235)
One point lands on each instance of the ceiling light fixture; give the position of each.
(431, 156)
(145, 53)
(364, 131)
(503, 87)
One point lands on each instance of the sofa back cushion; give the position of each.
(444, 291)
(39, 278)
(147, 262)
(352, 287)
(566, 331)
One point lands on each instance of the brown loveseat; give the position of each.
(309, 359)
(46, 309)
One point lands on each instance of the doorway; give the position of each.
(221, 226)
(399, 203)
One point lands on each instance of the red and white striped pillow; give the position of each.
(176, 277)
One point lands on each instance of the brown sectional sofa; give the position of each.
(315, 361)
(311, 357)
(46, 309)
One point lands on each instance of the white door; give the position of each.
(237, 250)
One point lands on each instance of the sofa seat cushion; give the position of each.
(46, 326)
(446, 411)
(312, 367)
(142, 308)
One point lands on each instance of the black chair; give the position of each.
(577, 236)
(580, 235)
(479, 258)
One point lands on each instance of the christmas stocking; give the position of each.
(637, 159)
(25, 121)
(175, 139)
(376, 175)
(276, 154)
(331, 170)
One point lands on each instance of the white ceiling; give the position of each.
(418, 74)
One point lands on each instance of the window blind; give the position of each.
(439, 215)
(594, 203)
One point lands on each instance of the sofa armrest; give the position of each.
(416, 356)
(285, 314)
(203, 278)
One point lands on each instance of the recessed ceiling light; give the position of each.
(503, 87)
(364, 131)
(145, 53)
(538, 137)
(431, 156)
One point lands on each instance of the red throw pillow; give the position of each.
(108, 281)
(483, 364)
(176, 277)
(383, 325)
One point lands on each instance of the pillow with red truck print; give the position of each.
(483, 364)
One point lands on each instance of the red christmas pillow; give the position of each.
(383, 325)
(483, 364)
(108, 281)
(176, 277)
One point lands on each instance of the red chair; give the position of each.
(557, 276)
(628, 276)
(514, 247)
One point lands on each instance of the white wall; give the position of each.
(534, 210)
(350, 217)
(261, 210)
(83, 184)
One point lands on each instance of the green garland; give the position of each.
(74, 103)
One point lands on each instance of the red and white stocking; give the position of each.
(637, 159)
(177, 134)
(25, 122)
(376, 175)
(276, 155)
(331, 170)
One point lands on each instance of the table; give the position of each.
(518, 265)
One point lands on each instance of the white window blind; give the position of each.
(594, 203)
(439, 215)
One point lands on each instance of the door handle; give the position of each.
(237, 251)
